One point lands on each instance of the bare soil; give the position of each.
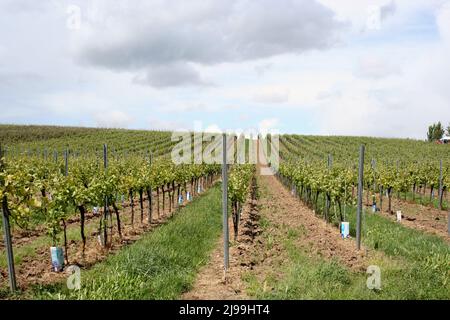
(212, 282)
(261, 251)
(320, 237)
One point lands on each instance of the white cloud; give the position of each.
(376, 67)
(158, 124)
(401, 14)
(443, 22)
(213, 128)
(272, 96)
(113, 119)
(71, 102)
(266, 126)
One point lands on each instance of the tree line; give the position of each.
(436, 131)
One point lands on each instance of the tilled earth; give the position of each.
(261, 252)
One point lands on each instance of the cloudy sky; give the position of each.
(359, 67)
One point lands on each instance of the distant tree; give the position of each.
(439, 131)
(448, 130)
(430, 134)
(435, 132)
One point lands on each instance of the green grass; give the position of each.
(424, 200)
(395, 239)
(414, 265)
(306, 277)
(161, 265)
(419, 199)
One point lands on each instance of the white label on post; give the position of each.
(57, 255)
(345, 229)
(399, 216)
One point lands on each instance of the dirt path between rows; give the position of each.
(264, 253)
(423, 218)
(318, 236)
(211, 282)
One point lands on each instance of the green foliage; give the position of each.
(18, 134)
(435, 132)
(35, 187)
(44, 141)
(394, 165)
(239, 183)
(161, 265)
(345, 150)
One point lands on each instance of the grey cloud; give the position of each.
(267, 28)
(17, 89)
(388, 10)
(148, 34)
(10, 79)
(17, 96)
(171, 75)
(18, 6)
(262, 69)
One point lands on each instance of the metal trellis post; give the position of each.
(7, 236)
(225, 203)
(327, 201)
(66, 162)
(441, 186)
(105, 210)
(360, 196)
